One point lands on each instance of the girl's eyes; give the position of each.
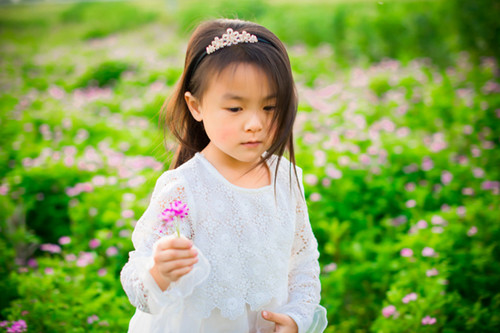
(268, 108)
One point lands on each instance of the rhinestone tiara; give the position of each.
(230, 38)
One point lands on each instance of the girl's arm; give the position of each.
(139, 284)
(304, 286)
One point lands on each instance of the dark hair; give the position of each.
(270, 55)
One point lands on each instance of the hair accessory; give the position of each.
(229, 38)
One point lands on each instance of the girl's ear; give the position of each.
(193, 105)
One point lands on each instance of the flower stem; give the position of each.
(177, 227)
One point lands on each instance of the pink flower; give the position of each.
(411, 203)
(32, 263)
(17, 327)
(311, 179)
(52, 248)
(427, 320)
(49, 271)
(102, 272)
(388, 311)
(472, 231)
(111, 251)
(446, 177)
(410, 297)
(314, 197)
(128, 213)
(94, 243)
(406, 252)
(92, 318)
(176, 209)
(422, 224)
(64, 240)
(431, 272)
(330, 267)
(428, 252)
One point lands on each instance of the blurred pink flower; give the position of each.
(85, 259)
(431, 272)
(428, 252)
(64, 240)
(111, 251)
(472, 231)
(478, 172)
(18, 326)
(326, 182)
(70, 257)
(406, 252)
(410, 187)
(467, 191)
(94, 243)
(311, 179)
(421, 224)
(330, 267)
(49, 271)
(437, 230)
(56, 92)
(427, 163)
(319, 158)
(128, 213)
(32, 263)
(92, 318)
(315, 197)
(102, 272)
(4, 189)
(388, 311)
(332, 172)
(427, 320)
(410, 297)
(438, 220)
(52, 248)
(461, 210)
(411, 203)
(446, 177)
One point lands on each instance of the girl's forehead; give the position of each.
(241, 76)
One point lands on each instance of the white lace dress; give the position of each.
(256, 252)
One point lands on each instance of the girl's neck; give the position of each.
(242, 174)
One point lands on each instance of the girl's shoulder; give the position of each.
(287, 175)
(174, 179)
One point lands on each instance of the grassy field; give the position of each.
(399, 148)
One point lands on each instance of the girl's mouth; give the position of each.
(251, 144)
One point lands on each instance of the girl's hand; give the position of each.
(173, 257)
(283, 323)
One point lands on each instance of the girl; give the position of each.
(247, 260)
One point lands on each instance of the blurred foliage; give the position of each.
(397, 153)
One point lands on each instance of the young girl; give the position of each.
(247, 260)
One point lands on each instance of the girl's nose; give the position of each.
(254, 123)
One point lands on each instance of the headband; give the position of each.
(229, 38)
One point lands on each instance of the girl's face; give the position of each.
(236, 109)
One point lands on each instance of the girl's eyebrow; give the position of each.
(241, 98)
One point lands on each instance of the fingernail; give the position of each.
(264, 313)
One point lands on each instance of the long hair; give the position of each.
(270, 56)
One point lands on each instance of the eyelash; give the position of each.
(268, 108)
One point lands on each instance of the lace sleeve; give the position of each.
(304, 286)
(139, 285)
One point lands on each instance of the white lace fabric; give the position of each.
(257, 252)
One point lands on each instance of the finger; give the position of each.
(173, 242)
(278, 318)
(170, 266)
(173, 254)
(178, 273)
